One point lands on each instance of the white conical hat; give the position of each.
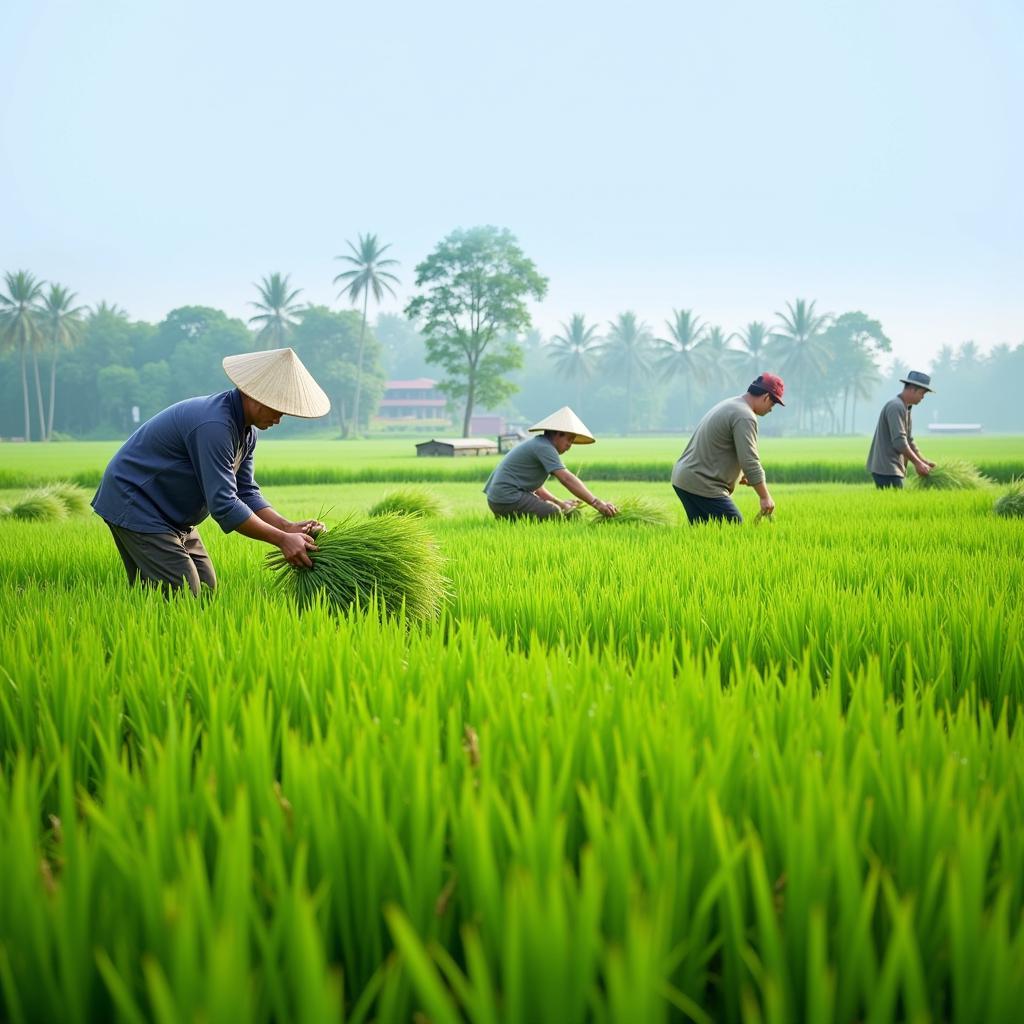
(279, 380)
(568, 422)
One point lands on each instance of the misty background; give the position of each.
(160, 160)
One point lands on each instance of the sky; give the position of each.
(724, 157)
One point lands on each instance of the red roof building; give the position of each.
(416, 399)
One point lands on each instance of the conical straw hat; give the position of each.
(279, 380)
(566, 421)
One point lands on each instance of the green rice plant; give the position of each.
(635, 512)
(75, 499)
(1011, 504)
(42, 506)
(389, 560)
(409, 501)
(952, 475)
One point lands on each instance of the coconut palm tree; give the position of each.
(367, 274)
(680, 354)
(19, 327)
(799, 346)
(755, 339)
(61, 325)
(628, 351)
(575, 350)
(720, 358)
(277, 308)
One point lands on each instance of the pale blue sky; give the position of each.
(722, 156)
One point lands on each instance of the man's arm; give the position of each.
(574, 485)
(903, 442)
(744, 437)
(268, 515)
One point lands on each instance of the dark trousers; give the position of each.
(885, 482)
(168, 560)
(528, 506)
(700, 509)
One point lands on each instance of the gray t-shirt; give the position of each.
(523, 469)
(723, 446)
(893, 435)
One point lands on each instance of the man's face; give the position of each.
(764, 404)
(914, 395)
(562, 441)
(263, 417)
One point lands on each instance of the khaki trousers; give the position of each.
(528, 506)
(167, 560)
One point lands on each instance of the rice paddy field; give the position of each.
(631, 772)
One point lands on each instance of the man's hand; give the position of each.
(294, 547)
(767, 505)
(567, 506)
(744, 482)
(311, 526)
(606, 508)
(923, 468)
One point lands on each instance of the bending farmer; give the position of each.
(196, 459)
(516, 487)
(723, 449)
(893, 446)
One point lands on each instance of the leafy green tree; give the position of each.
(118, 388)
(852, 341)
(61, 324)
(628, 351)
(403, 348)
(575, 352)
(680, 355)
(277, 308)
(475, 286)
(19, 328)
(367, 274)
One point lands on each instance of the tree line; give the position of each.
(85, 370)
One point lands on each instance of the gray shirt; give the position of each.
(723, 446)
(187, 462)
(523, 469)
(893, 435)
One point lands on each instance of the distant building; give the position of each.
(455, 446)
(955, 428)
(412, 400)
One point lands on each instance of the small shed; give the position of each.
(455, 446)
(955, 428)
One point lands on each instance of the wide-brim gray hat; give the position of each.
(916, 379)
(279, 381)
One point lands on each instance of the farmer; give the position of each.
(516, 487)
(723, 449)
(893, 445)
(195, 459)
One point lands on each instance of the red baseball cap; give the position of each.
(772, 384)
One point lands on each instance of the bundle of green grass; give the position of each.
(409, 501)
(635, 512)
(955, 475)
(389, 561)
(1011, 504)
(50, 504)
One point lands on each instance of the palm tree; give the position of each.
(719, 356)
(755, 339)
(61, 324)
(798, 341)
(367, 275)
(627, 350)
(19, 326)
(681, 354)
(574, 351)
(277, 309)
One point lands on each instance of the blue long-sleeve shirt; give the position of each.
(192, 460)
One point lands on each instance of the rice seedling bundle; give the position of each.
(390, 560)
(42, 506)
(952, 475)
(75, 499)
(409, 501)
(635, 512)
(1011, 504)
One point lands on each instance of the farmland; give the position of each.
(764, 773)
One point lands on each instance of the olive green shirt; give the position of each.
(723, 446)
(893, 435)
(523, 470)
